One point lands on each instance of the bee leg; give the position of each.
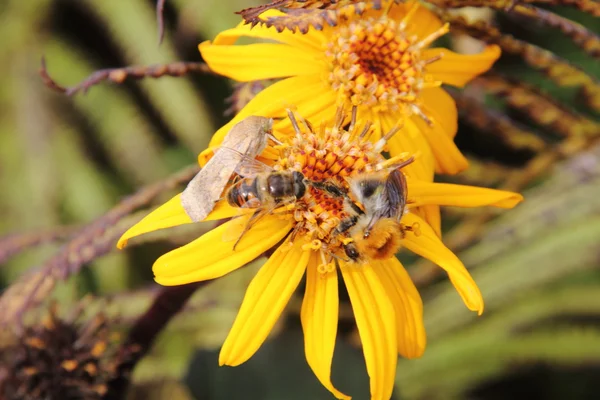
(337, 258)
(414, 228)
(336, 191)
(253, 219)
(294, 233)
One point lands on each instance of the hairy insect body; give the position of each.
(375, 230)
(268, 189)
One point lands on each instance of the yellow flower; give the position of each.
(387, 306)
(378, 61)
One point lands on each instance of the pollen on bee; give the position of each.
(383, 242)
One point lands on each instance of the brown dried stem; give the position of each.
(119, 75)
(581, 36)
(588, 6)
(166, 305)
(13, 244)
(160, 19)
(559, 70)
(538, 106)
(301, 15)
(89, 243)
(488, 121)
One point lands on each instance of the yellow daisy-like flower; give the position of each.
(378, 61)
(386, 304)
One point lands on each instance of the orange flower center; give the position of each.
(374, 62)
(330, 155)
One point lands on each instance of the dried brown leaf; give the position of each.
(301, 15)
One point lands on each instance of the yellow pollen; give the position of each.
(375, 63)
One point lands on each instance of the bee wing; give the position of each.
(246, 166)
(395, 190)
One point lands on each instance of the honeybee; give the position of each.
(262, 188)
(375, 231)
(249, 137)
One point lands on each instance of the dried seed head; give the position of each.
(58, 359)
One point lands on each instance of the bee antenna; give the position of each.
(335, 258)
(353, 119)
(292, 118)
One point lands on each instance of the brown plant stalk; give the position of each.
(537, 105)
(160, 19)
(92, 241)
(119, 75)
(169, 301)
(588, 6)
(494, 123)
(557, 69)
(581, 36)
(16, 243)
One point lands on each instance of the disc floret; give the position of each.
(330, 155)
(376, 63)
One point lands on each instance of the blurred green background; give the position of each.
(65, 161)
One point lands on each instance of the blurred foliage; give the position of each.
(66, 161)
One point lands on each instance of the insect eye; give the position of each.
(351, 252)
(368, 188)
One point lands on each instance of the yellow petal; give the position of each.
(265, 299)
(311, 41)
(446, 194)
(458, 69)
(318, 108)
(172, 214)
(319, 318)
(408, 306)
(169, 214)
(422, 23)
(431, 214)
(410, 139)
(448, 158)
(376, 322)
(296, 92)
(254, 62)
(428, 245)
(210, 257)
(441, 108)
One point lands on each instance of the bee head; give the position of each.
(351, 251)
(299, 184)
